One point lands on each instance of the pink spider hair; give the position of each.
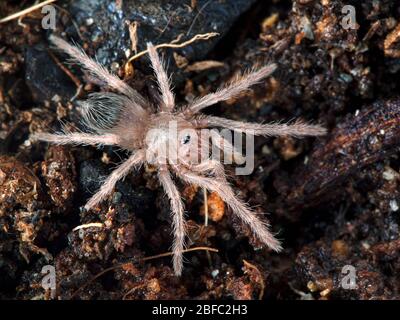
(126, 119)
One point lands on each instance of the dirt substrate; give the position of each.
(334, 201)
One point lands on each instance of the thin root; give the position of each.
(174, 44)
(26, 11)
(133, 289)
(162, 255)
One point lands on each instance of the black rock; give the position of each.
(91, 176)
(44, 77)
(139, 199)
(126, 198)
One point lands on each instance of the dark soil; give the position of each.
(334, 201)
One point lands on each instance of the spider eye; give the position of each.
(186, 139)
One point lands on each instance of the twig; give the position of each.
(359, 145)
(174, 44)
(162, 255)
(88, 225)
(204, 65)
(26, 11)
(133, 35)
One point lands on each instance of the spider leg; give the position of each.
(102, 111)
(236, 87)
(97, 71)
(134, 160)
(209, 166)
(226, 147)
(257, 226)
(296, 129)
(79, 138)
(178, 221)
(162, 79)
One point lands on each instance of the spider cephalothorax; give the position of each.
(127, 120)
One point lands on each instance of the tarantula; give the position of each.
(126, 119)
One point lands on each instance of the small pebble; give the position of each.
(89, 21)
(215, 273)
(393, 205)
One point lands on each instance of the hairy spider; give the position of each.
(129, 121)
